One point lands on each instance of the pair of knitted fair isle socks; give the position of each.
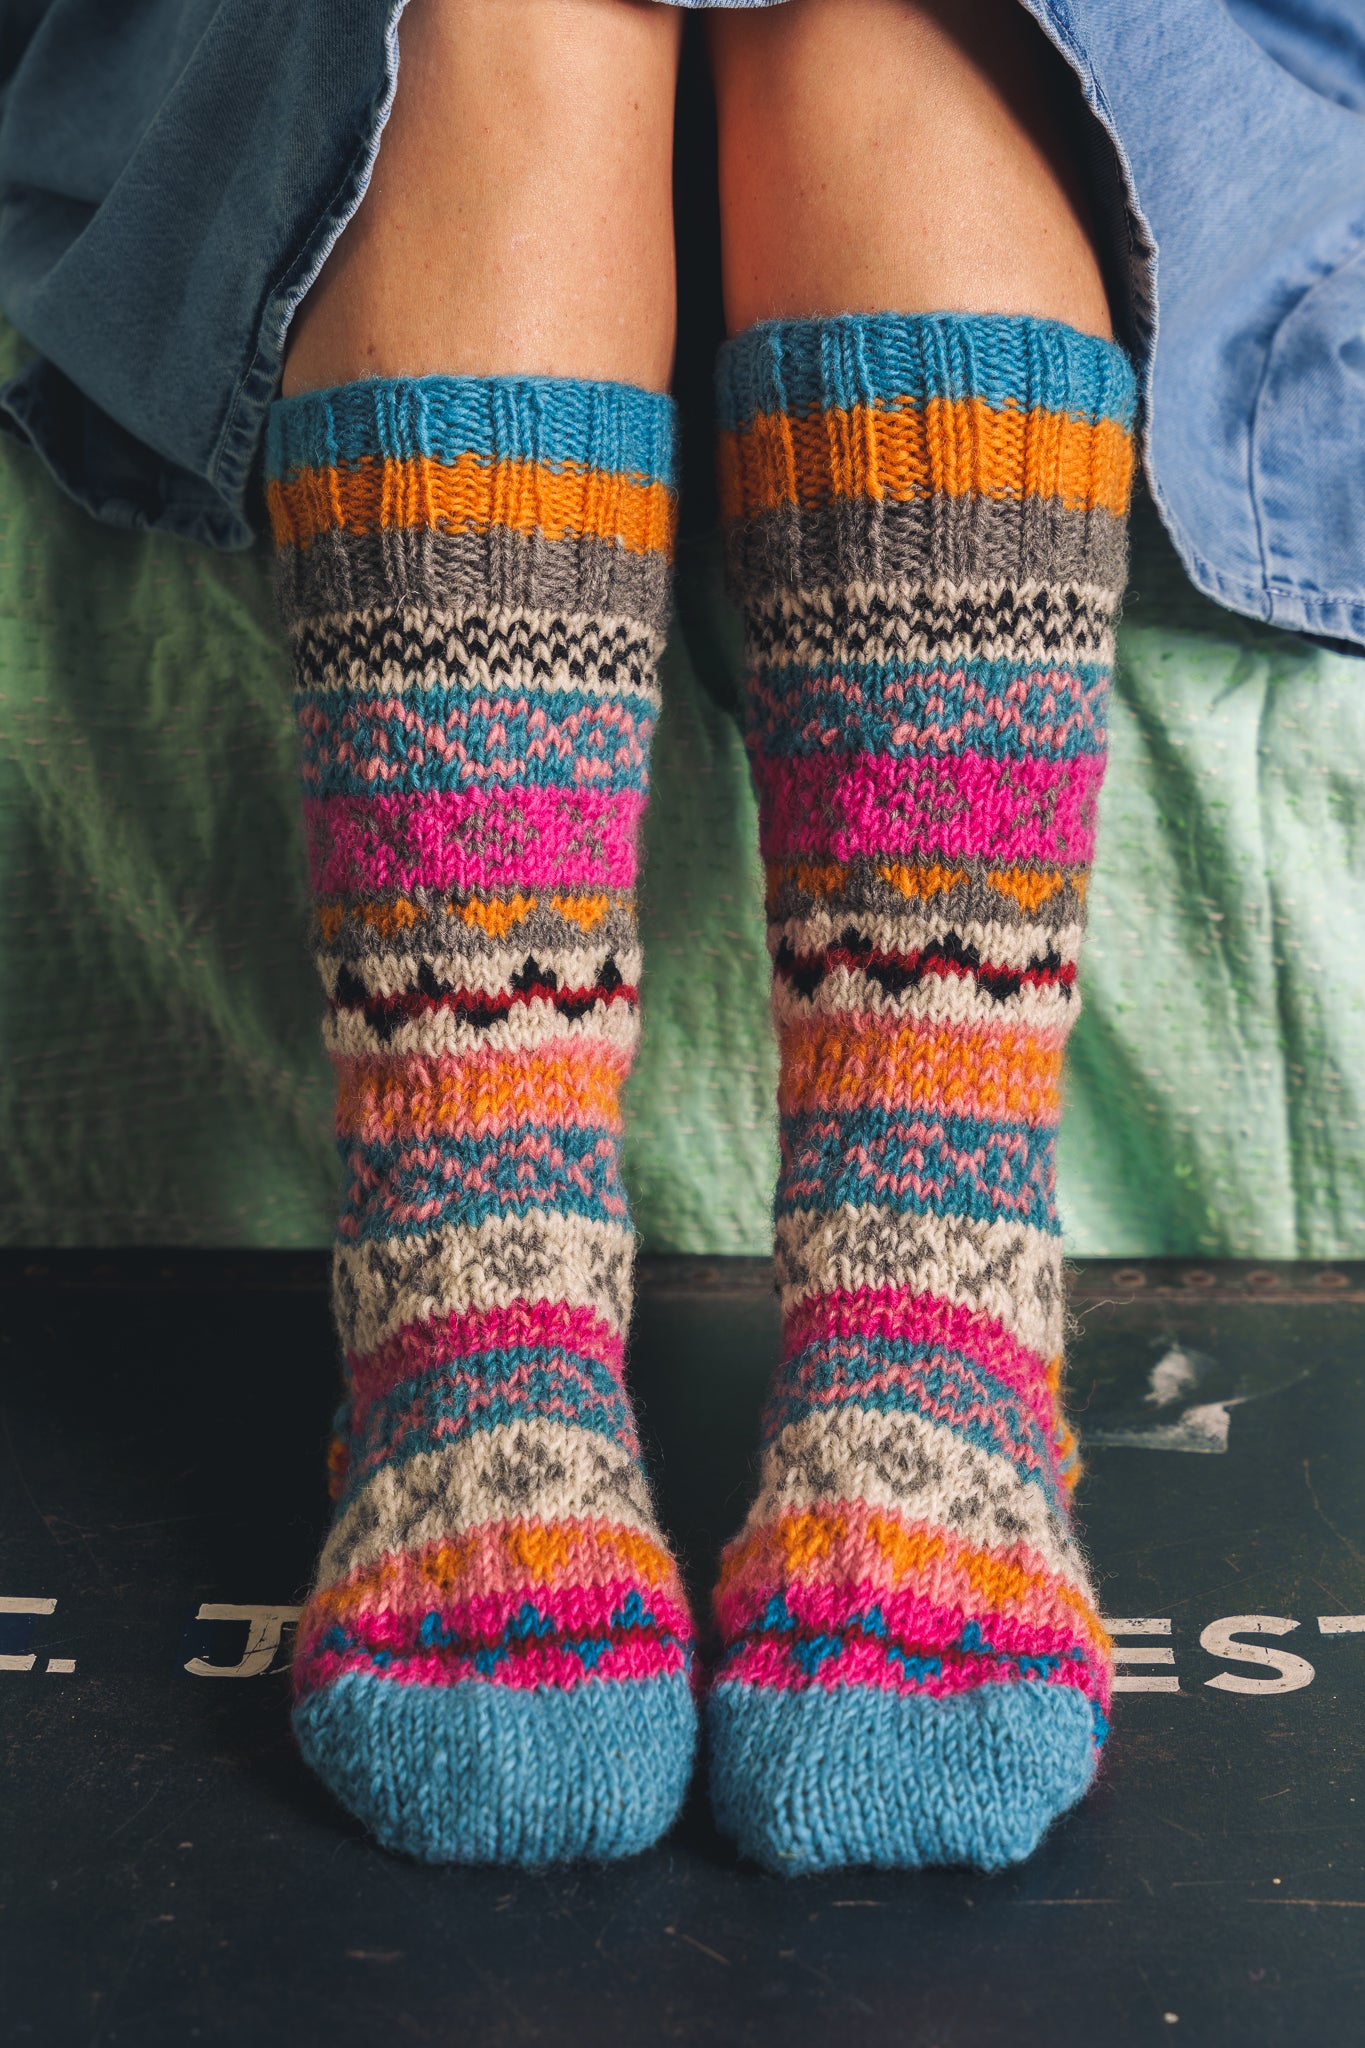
(925, 525)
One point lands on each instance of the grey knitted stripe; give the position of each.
(442, 930)
(378, 1287)
(392, 566)
(1002, 1269)
(967, 539)
(973, 901)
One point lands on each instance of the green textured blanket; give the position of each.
(162, 1082)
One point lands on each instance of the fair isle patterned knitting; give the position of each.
(495, 1662)
(926, 525)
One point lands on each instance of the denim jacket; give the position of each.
(173, 174)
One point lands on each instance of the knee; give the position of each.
(519, 217)
(900, 156)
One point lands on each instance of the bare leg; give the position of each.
(925, 463)
(519, 220)
(471, 484)
(898, 154)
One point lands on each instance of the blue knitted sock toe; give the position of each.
(814, 1780)
(483, 1774)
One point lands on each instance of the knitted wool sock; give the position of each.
(494, 1664)
(926, 526)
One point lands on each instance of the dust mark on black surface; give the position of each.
(1354, 1905)
(700, 1946)
(1326, 1519)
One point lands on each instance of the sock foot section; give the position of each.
(478, 1773)
(815, 1780)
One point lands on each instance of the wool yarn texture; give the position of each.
(495, 1663)
(926, 527)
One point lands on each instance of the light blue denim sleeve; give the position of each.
(1249, 187)
(1319, 42)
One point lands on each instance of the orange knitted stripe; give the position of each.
(380, 1098)
(1066, 1449)
(501, 915)
(495, 915)
(951, 447)
(806, 1543)
(920, 881)
(845, 1062)
(1031, 888)
(577, 1552)
(567, 502)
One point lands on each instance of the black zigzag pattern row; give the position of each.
(896, 973)
(1047, 619)
(358, 645)
(480, 1009)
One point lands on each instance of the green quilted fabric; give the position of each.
(161, 1079)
